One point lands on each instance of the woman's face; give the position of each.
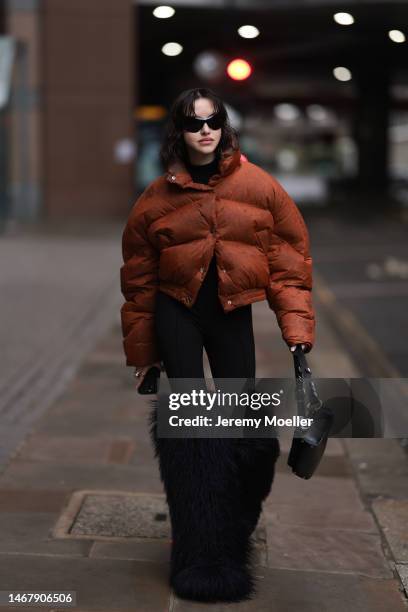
(203, 107)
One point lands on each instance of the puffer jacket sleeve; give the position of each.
(289, 292)
(139, 284)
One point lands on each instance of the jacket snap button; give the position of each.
(229, 302)
(201, 269)
(173, 178)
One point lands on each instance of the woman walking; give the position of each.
(204, 241)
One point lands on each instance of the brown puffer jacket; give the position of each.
(260, 239)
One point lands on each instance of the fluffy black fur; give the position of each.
(256, 459)
(214, 489)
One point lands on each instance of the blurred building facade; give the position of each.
(68, 136)
(325, 105)
(69, 119)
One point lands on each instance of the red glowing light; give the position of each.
(239, 69)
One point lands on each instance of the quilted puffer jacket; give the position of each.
(260, 240)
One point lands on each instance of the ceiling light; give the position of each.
(343, 18)
(248, 31)
(171, 49)
(397, 36)
(163, 12)
(342, 74)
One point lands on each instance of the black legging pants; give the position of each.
(183, 333)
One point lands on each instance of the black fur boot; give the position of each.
(256, 458)
(212, 551)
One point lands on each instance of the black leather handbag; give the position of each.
(150, 383)
(309, 442)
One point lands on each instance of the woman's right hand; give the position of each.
(140, 373)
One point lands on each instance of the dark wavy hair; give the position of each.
(173, 146)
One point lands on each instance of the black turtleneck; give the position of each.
(202, 173)
(208, 293)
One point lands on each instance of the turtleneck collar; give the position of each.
(177, 172)
(213, 162)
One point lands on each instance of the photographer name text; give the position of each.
(266, 421)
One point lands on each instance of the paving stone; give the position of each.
(332, 363)
(144, 453)
(91, 403)
(41, 447)
(331, 465)
(121, 451)
(90, 392)
(100, 584)
(97, 399)
(293, 547)
(382, 475)
(88, 426)
(260, 544)
(88, 421)
(104, 355)
(374, 447)
(26, 532)
(147, 550)
(286, 590)
(92, 400)
(403, 574)
(105, 361)
(322, 490)
(21, 500)
(66, 477)
(315, 514)
(392, 515)
(126, 410)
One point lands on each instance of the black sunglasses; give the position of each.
(193, 124)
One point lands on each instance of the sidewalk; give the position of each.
(363, 260)
(60, 291)
(82, 506)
